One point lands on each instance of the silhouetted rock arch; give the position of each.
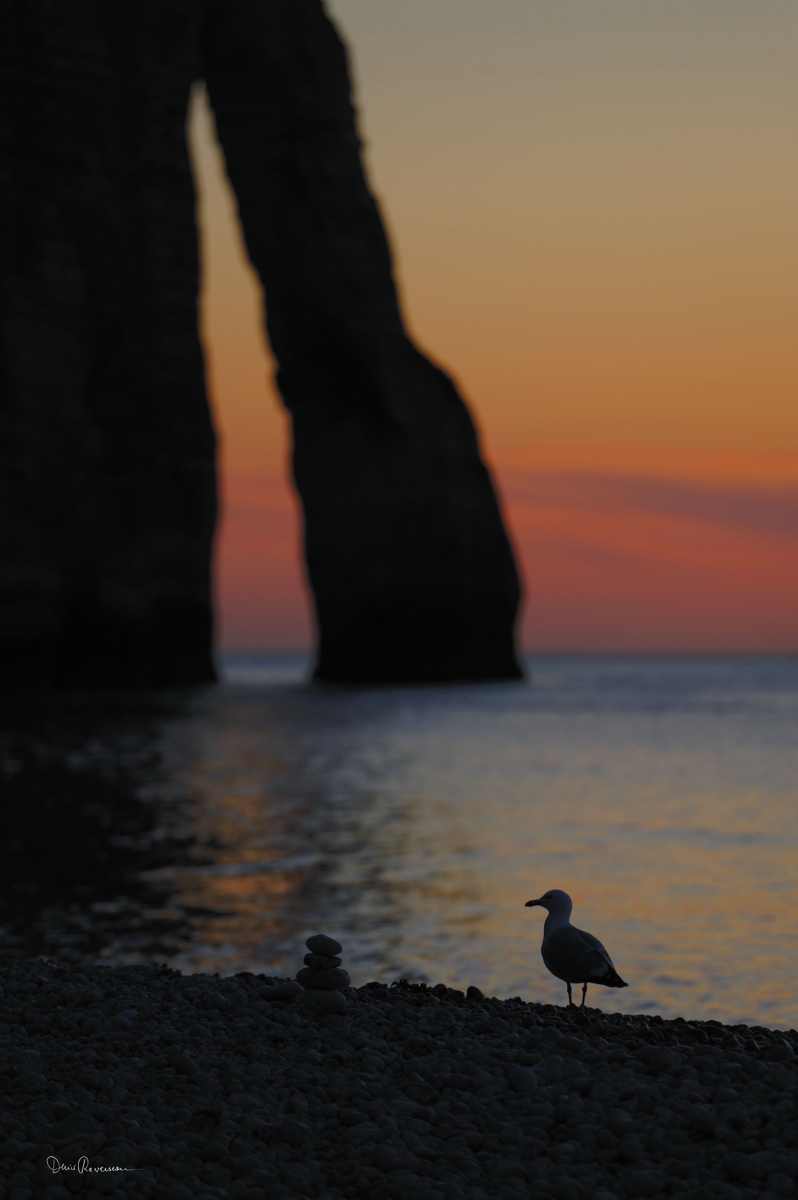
(106, 442)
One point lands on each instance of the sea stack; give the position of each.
(323, 977)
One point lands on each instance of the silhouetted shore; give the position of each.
(198, 1086)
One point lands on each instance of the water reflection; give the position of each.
(414, 823)
(78, 829)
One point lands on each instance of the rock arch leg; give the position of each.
(410, 566)
(107, 471)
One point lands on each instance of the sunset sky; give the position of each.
(592, 210)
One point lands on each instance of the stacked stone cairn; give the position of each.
(323, 978)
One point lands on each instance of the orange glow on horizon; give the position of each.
(655, 551)
(641, 550)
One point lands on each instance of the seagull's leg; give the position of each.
(584, 993)
(570, 997)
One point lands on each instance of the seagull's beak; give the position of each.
(532, 903)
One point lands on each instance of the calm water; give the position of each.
(217, 830)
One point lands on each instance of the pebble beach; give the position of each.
(145, 1082)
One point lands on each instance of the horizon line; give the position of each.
(549, 653)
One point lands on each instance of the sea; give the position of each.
(215, 829)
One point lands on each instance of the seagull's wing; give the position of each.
(578, 957)
(595, 943)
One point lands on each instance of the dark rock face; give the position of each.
(107, 445)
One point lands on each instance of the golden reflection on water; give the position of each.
(414, 824)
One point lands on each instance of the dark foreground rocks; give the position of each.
(198, 1086)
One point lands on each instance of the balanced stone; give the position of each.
(322, 962)
(323, 978)
(321, 944)
(334, 979)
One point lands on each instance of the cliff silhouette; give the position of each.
(106, 439)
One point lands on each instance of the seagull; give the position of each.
(569, 953)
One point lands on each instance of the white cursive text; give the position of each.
(82, 1167)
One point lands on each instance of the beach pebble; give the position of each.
(394, 1158)
(523, 1080)
(779, 1052)
(75, 1125)
(280, 991)
(323, 1001)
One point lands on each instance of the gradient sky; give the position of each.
(591, 204)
